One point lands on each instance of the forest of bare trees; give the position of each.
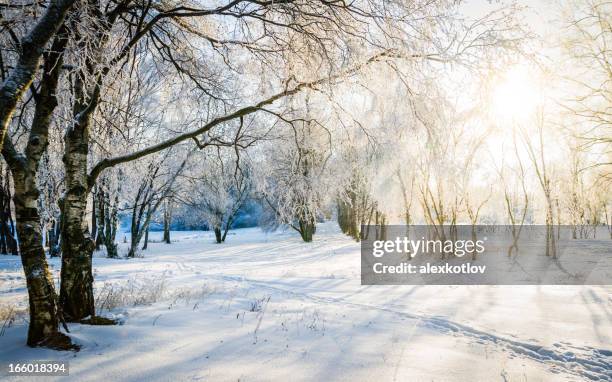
(138, 114)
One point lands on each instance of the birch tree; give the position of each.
(225, 57)
(29, 52)
(265, 30)
(44, 313)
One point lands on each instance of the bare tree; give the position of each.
(537, 156)
(515, 197)
(167, 217)
(585, 40)
(216, 188)
(108, 191)
(295, 186)
(108, 45)
(152, 191)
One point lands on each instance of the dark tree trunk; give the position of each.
(111, 228)
(100, 218)
(228, 225)
(307, 228)
(54, 238)
(218, 235)
(146, 239)
(138, 230)
(94, 220)
(167, 218)
(135, 227)
(107, 224)
(167, 233)
(8, 242)
(111, 249)
(3, 249)
(142, 210)
(3, 219)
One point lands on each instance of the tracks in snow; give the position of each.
(586, 362)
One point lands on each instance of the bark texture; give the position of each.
(76, 292)
(44, 313)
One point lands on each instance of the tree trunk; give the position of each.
(167, 232)
(54, 238)
(94, 220)
(167, 218)
(11, 238)
(146, 239)
(111, 248)
(135, 227)
(44, 316)
(4, 233)
(110, 222)
(44, 312)
(3, 240)
(109, 243)
(138, 229)
(228, 225)
(307, 229)
(102, 200)
(3, 215)
(76, 292)
(8, 243)
(218, 234)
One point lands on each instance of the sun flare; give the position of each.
(516, 94)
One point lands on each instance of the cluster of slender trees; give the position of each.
(159, 110)
(96, 84)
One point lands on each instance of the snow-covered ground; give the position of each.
(269, 307)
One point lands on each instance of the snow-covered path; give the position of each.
(268, 307)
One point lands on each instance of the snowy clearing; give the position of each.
(268, 306)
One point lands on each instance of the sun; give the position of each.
(517, 94)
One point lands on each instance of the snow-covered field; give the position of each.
(269, 307)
